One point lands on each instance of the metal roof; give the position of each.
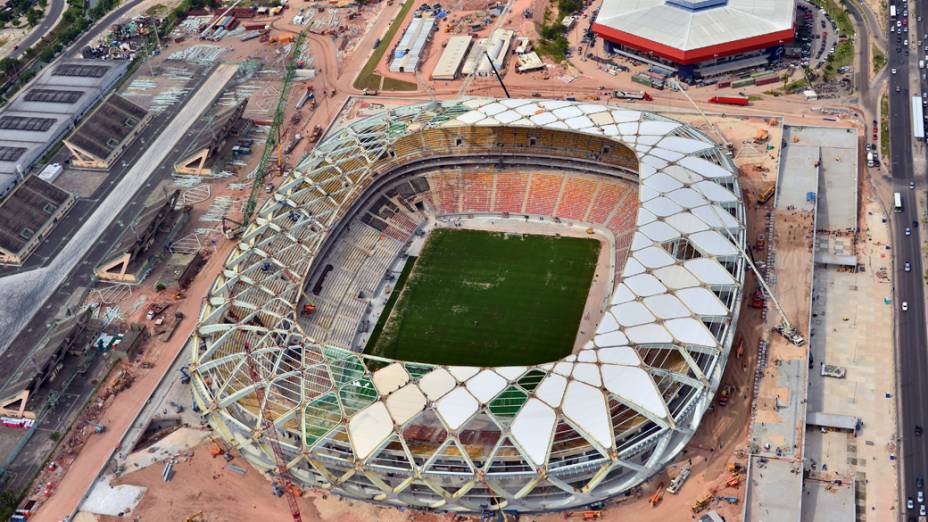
(687, 29)
(671, 290)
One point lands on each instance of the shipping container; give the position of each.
(643, 80)
(729, 100)
(767, 80)
(742, 83)
(724, 83)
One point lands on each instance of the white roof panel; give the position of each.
(511, 372)
(702, 301)
(486, 385)
(675, 276)
(636, 386)
(437, 383)
(632, 267)
(715, 216)
(687, 197)
(369, 428)
(611, 339)
(666, 306)
(623, 116)
(586, 407)
(390, 378)
(654, 257)
(715, 192)
(648, 334)
(462, 373)
(659, 231)
(405, 403)
(588, 373)
(684, 145)
(662, 206)
(533, 429)
(690, 331)
(645, 285)
(686, 223)
(551, 389)
(619, 355)
(713, 243)
(662, 183)
(622, 294)
(456, 407)
(705, 167)
(709, 271)
(632, 314)
(657, 128)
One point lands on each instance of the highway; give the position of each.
(912, 353)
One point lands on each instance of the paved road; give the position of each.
(913, 346)
(45, 26)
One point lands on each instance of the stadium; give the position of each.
(702, 38)
(479, 304)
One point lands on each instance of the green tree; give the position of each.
(9, 65)
(33, 17)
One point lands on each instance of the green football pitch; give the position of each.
(487, 299)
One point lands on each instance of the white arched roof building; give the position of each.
(553, 436)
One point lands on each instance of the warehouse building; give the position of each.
(449, 64)
(44, 113)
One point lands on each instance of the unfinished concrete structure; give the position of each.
(211, 136)
(40, 365)
(103, 136)
(27, 215)
(558, 435)
(143, 241)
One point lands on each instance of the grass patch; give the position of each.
(392, 84)
(884, 128)
(488, 299)
(877, 58)
(754, 98)
(839, 14)
(388, 308)
(844, 54)
(367, 79)
(796, 86)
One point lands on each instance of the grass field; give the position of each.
(488, 299)
(367, 78)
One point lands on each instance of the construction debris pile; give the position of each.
(123, 40)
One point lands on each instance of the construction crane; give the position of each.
(270, 429)
(785, 328)
(470, 77)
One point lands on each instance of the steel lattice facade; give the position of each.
(588, 427)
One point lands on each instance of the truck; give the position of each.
(729, 100)
(632, 95)
(766, 194)
(870, 162)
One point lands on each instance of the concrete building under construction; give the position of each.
(144, 241)
(211, 138)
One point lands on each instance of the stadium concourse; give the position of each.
(533, 437)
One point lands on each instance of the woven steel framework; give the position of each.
(554, 436)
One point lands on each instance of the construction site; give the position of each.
(171, 168)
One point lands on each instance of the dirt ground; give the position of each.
(204, 484)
